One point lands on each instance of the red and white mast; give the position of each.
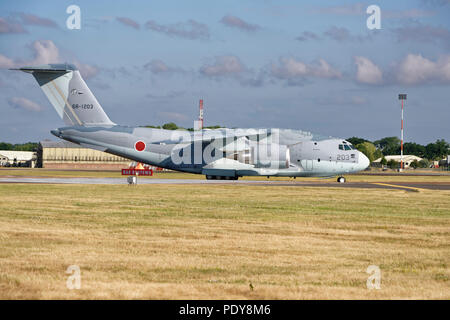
(200, 115)
(401, 97)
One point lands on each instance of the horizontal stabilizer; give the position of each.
(51, 68)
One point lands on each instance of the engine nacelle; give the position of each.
(270, 156)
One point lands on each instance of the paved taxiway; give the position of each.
(407, 186)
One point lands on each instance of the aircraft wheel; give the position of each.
(341, 180)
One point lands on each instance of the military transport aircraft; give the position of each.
(218, 154)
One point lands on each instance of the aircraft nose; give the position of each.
(56, 132)
(363, 161)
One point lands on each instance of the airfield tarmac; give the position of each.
(407, 186)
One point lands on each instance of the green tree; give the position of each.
(424, 163)
(377, 154)
(209, 127)
(414, 164)
(388, 145)
(383, 161)
(369, 149)
(29, 146)
(437, 150)
(392, 164)
(170, 126)
(355, 140)
(6, 146)
(414, 148)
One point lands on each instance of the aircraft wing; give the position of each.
(230, 135)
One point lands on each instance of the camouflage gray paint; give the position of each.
(220, 153)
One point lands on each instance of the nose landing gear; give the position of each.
(341, 180)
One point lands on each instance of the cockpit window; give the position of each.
(341, 147)
(347, 147)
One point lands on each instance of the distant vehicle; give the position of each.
(218, 153)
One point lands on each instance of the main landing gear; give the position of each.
(341, 180)
(210, 177)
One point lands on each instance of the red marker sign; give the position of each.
(137, 172)
(139, 146)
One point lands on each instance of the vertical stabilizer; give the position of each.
(69, 94)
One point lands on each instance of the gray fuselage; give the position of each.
(224, 152)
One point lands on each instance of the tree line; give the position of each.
(391, 146)
(29, 146)
(173, 126)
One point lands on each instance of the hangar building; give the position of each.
(68, 155)
(11, 158)
(407, 159)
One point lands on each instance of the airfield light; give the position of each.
(401, 97)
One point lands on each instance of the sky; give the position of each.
(308, 65)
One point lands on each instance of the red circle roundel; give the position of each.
(139, 146)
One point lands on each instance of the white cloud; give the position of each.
(8, 26)
(46, 52)
(157, 66)
(367, 71)
(415, 69)
(32, 19)
(324, 70)
(223, 66)
(23, 103)
(308, 35)
(86, 70)
(129, 22)
(6, 62)
(189, 30)
(235, 22)
(291, 68)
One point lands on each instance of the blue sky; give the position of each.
(292, 64)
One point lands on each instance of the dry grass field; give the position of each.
(222, 242)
